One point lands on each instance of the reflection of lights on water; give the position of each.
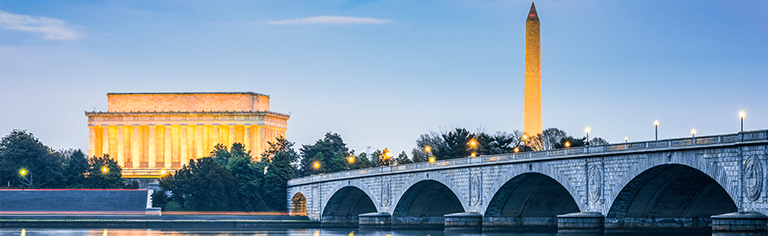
(23, 232)
(352, 233)
(317, 233)
(105, 232)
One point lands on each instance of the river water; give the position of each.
(284, 232)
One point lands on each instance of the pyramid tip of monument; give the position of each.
(532, 15)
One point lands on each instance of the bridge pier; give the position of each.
(375, 220)
(739, 222)
(580, 223)
(464, 221)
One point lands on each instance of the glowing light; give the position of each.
(352, 233)
(693, 132)
(427, 149)
(316, 165)
(525, 137)
(587, 130)
(432, 159)
(317, 233)
(656, 122)
(23, 232)
(626, 138)
(351, 159)
(472, 143)
(517, 149)
(162, 172)
(104, 169)
(23, 172)
(567, 144)
(105, 232)
(741, 114)
(474, 154)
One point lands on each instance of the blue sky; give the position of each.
(380, 73)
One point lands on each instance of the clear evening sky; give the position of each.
(380, 73)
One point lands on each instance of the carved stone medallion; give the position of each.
(595, 183)
(475, 187)
(385, 192)
(753, 178)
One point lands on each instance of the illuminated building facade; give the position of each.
(532, 114)
(149, 134)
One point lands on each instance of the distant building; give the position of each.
(149, 134)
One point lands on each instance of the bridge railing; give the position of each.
(618, 147)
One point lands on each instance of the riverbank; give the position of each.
(190, 222)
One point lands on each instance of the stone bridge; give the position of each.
(674, 184)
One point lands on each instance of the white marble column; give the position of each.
(231, 135)
(183, 143)
(104, 140)
(121, 145)
(135, 146)
(216, 135)
(91, 140)
(199, 141)
(247, 137)
(167, 147)
(152, 159)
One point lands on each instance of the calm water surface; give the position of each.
(285, 232)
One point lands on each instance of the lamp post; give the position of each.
(104, 169)
(387, 156)
(351, 159)
(316, 166)
(693, 132)
(587, 131)
(567, 144)
(741, 115)
(656, 124)
(626, 139)
(473, 146)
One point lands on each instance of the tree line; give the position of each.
(25, 162)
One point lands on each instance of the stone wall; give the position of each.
(186, 102)
(66, 200)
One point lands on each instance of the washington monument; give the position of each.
(532, 113)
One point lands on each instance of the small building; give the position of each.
(150, 134)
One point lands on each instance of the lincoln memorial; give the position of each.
(149, 134)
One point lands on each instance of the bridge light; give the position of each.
(741, 115)
(525, 137)
(587, 131)
(472, 143)
(316, 165)
(517, 150)
(656, 125)
(427, 149)
(473, 154)
(693, 132)
(567, 144)
(626, 139)
(23, 172)
(351, 159)
(432, 160)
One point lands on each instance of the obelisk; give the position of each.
(532, 115)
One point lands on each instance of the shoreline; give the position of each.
(192, 222)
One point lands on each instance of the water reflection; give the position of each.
(299, 232)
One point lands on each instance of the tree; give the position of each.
(249, 183)
(331, 152)
(551, 137)
(281, 144)
(361, 161)
(455, 146)
(220, 154)
(279, 171)
(75, 167)
(21, 150)
(104, 172)
(203, 185)
(402, 158)
(432, 140)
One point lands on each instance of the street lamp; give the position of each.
(693, 132)
(387, 156)
(626, 139)
(472, 143)
(517, 150)
(351, 159)
(656, 124)
(104, 169)
(741, 115)
(587, 131)
(23, 172)
(567, 144)
(432, 160)
(316, 166)
(427, 149)
(473, 154)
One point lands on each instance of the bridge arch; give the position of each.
(424, 204)
(343, 207)
(671, 195)
(535, 168)
(528, 200)
(299, 205)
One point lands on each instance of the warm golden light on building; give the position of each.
(532, 100)
(147, 133)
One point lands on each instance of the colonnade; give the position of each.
(164, 146)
